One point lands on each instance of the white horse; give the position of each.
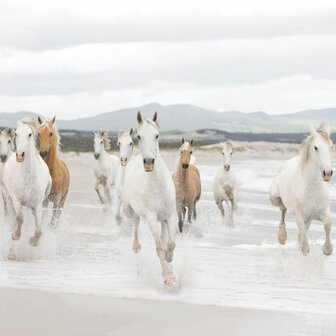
(225, 184)
(125, 143)
(27, 179)
(6, 150)
(300, 188)
(105, 168)
(149, 193)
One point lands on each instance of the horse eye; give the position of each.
(101, 141)
(30, 135)
(118, 144)
(231, 153)
(8, 141)
(50, 134)
(157, 136)
(131, 143)
(191, 152)
(139, 137)
(316, 148)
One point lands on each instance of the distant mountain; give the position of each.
(188, 117)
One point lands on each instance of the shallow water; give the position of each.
(214, 264)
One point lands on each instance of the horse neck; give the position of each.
(103, 154)
(182, 174)
(30, 160)
(52, 157)
(312, 172)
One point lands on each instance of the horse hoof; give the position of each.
(170, 281)
(282, 238)
(305, 249)
(11, 255)
(136, 248)
(15, 236)
(180, 224)
(33, 241)
(327, 249)
(169, 256)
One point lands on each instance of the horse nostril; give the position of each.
(331, 173)
(324, 173)
(153, 160)
(144, 161)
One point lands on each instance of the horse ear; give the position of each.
(155, 117)
(120, 134)
(53, 120)
(191, 142)
(312, 130)
(131, 131)
(39, 120)
(93, 133)
(325, 128)
(182, 141)
(139, 118)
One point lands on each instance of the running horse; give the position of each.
(49, 139)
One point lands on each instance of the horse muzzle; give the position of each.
(96, 156)
(3, 158)
(44, 155)
(227, 167)
(20, 156)
(148, 165)
(123, 161)
(327, 175)
(185, 165)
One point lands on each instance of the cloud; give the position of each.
(58, 24)
(283, 95)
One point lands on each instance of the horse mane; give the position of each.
(153, 123)
(57, 138)
(305, 148)
(31, 123)
(228, 144)
(104, 136)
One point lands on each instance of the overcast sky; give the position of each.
(79, 58)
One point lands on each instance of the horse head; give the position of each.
(227, 154)
(125, 143)
(148, 139)
(186, 151)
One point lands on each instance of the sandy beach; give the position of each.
(86, 280)
(40, 313)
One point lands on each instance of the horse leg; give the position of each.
(4, 196)
(37, 213)
(136, 244)
(101, 199)
(117, 207)
(152, 223)
(190, 211)
(303, 234)
(57, 212)
(181, 214)
(195, 213)
(282, 235)
(19, 219)
(219, 203)
(327, 247)
(169, 226)
(129, 212)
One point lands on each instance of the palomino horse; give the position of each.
(300, 188)
(105, 169)
(49, 150)
(149, 193)
(6, 150)
(125, 143)
(187, 184)
(225, 184)
(27, 179)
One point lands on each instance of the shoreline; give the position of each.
(34, 312)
